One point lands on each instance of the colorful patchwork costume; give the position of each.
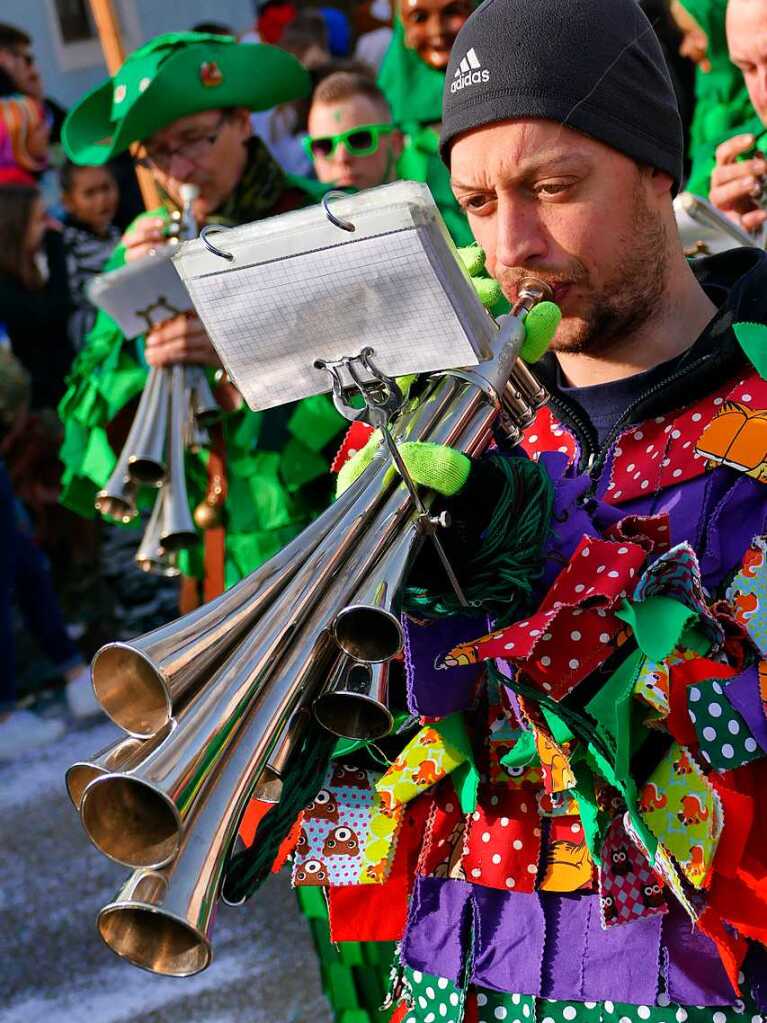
(573, 830)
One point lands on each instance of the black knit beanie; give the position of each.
(593, 65)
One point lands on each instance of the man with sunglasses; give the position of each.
(351, 139)
(184, 101)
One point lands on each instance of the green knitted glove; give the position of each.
(541, 324)
(540, 327)
(434, 466)
(488, 290)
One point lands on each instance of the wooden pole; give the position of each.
(108, 28)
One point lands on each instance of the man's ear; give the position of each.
(661, 182)
(397, 143)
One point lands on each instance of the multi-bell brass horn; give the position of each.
(162, 919)
(228, 734)
(147, 460)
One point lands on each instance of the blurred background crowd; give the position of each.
(68, 584)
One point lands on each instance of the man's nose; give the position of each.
(343, 155)
(180, 168)
(521, 238)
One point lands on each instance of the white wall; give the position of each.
(70, 73)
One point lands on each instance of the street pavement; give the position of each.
(53, 964)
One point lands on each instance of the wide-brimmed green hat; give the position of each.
(172, 76)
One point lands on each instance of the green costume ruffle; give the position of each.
(414, 92)
(722, 108)
(273, 458)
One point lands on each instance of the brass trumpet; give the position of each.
(234, 681)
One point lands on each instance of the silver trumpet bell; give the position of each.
(147, 457)
(205, 409)
(355, 703)
(150, 556)
(123, 755)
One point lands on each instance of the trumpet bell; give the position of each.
(147, 457)
(118, 504)
(131, 689)
(355, 703)
(130, 821)
(114, 757)
(136, 929)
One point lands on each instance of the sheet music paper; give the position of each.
(300, 289)
(141, 294)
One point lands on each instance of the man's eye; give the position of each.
(476, 202)
(548, 188)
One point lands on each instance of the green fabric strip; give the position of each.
(658, 624)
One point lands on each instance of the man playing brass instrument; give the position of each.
(579, 816)
(185, 99)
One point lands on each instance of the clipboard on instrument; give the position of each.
(141, 294)
(374, 271)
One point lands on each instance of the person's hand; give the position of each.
(144, 237)
(180, 339)
(736, 185)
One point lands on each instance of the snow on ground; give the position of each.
(54, 966)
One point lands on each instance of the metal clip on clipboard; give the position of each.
(382, 398)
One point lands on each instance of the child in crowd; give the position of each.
(90, 196)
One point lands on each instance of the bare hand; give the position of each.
(180, 339)
(143, 238)
(735, 186)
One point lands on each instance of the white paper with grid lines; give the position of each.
(300, 289)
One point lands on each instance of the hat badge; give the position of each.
(210, 74)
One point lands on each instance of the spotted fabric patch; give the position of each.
(548, 434)
(492, 1006)
(564, 642)
(629, 888)
(683, 811)
(334, 829)
(725, 739)
(432, 999)
(503, 839)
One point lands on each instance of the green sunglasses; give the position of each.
(363, 140)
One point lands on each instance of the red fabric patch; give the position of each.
(651, 532)
(444, 833)
(547, 434)
(355, 440)
(502, 847)
(399, 1013)
(738, 810)
(732, 949)
(562, 643)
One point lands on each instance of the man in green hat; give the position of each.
(184, 101)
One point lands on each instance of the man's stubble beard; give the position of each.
(628, 299)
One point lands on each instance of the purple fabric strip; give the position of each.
(510, 932)
(755, 970)
(621, 964)
(436, 936)
(567, 918)
(743, 693)
(695, 972)
(432, 692)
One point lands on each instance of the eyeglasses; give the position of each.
(363, 140)
(192, 150)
